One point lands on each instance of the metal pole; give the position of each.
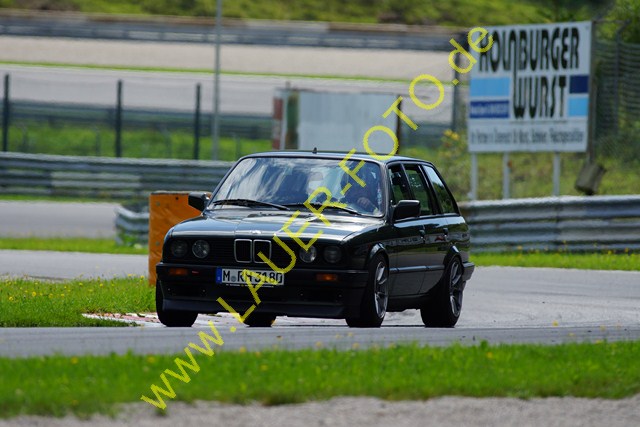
(215, 132)
(556, 174)
(591, 136)
(119, 120)
(196, 125)
(5, 115)
(616, 80)
(505, 176)
(474, 176)
(456, 95)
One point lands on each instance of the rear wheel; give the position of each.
(376, 296)
(260, 320)
(443, 309)
(173, 318)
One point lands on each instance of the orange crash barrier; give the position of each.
(166, 209)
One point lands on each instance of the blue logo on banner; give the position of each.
(489, 109)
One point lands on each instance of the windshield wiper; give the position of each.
(317, 206)
(248, 202)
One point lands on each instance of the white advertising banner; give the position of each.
(530, 91)
(331, 121)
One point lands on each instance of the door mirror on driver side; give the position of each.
(198, 200)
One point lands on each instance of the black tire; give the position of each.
(172, 318)
(444, 307)
(260, 320)
(376, 296)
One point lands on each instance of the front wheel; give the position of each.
(443, 309)
(376, 296)
(173, 318)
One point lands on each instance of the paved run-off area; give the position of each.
(383, 63)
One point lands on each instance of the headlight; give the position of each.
(308, 256)
(179, 248)
(200, 249)
(332, 254)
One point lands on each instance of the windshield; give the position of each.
(290, 182)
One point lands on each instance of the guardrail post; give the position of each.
(196, 125)
(118, 124)
(506, 170)
(5, 115)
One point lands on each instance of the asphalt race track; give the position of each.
(502, 305)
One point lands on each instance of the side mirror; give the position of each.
(198, 200)
(406, 209)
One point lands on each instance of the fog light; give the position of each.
(200, 249)
(179, 248)
(332, 254)
(326, 277)
(308, 256)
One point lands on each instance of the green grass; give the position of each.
(83, 385)
(39, 303)
(587, 261)
(459, 13)
(68, 244)
(31, 137)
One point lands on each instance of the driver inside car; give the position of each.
(365, 198)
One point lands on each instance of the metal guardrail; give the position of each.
(131, 227)
(234, 31)
(555, 223)
(38, 174)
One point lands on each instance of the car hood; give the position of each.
(251, 223)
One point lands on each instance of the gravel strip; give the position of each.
(370, 412)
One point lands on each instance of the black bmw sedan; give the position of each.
(326, 235)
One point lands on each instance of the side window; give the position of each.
(419, 187)
(444, 197)
(398, 184)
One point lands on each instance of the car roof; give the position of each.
(333, 155)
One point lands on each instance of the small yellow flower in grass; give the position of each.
(264, 367)
(34, 293)
(151, 359)
(355, 346)
(101, 285)
(489, 355)
(10, 298)
(74, 360)
(555, 323)
(50, 295)
(62, 295)
(242, 349)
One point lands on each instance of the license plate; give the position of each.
(232, 276)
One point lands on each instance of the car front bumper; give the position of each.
(301, 295)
